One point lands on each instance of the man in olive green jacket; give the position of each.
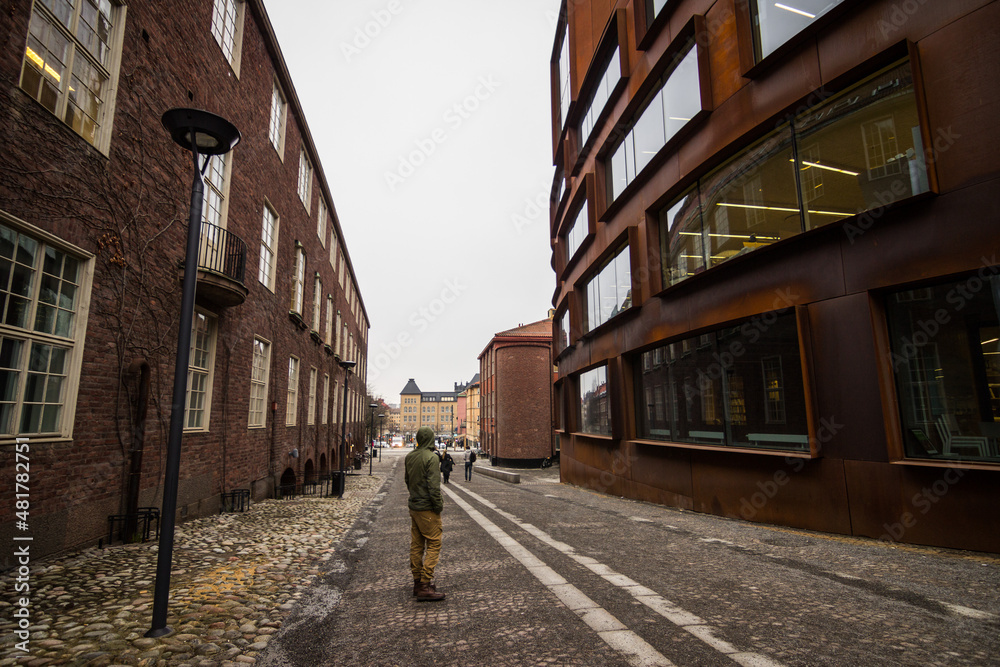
(423, 479)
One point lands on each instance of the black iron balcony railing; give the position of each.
(222, 252)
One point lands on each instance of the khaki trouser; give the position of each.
(425, 533)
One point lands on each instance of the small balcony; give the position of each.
(222, 260)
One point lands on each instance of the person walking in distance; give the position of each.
(469, 457)
(423, 480)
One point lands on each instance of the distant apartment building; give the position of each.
(515, 380)
(436, 409)
(94, 204)
(775, 239)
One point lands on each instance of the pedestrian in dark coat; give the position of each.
(447, 465)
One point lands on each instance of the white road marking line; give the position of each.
(633, 648)
(668, 610)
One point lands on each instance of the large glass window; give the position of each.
(595, 404)
(40, 298)
(861, 150)
(945, 344)
(565, 87)
(774, 23)
(858, 151)
(740, 386)
(260, 370)
(751, 202)
(610, 75)
(610, 291)
(577, 232)
(682, 239)
(72, 48)
(311, 413)
(673, 103)
(200, 365)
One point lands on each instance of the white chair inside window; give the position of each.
(947, 428)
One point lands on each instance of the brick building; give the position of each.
(94, 201)
(775, 238)
(515, 386)
(436, 409)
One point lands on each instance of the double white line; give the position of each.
(633, 648)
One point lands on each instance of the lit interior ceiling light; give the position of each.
(35, 58)
(759, 237)
(794, 10)
(827, 167)
(991, 340)
(781, 208)
(678, 118)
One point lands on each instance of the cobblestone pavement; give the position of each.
(234, 579)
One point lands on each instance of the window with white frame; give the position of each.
(336, 343)
(200, 365)
(211, 248)
(325, 408)
(321, 222)
(317, 302)
(276, 123)
(43, 290)
(71, 63)
(333, 247)
(259, 374)
(298, 279)
(292, 402)
(268, 247)
(227, 28)
(311, 414)
(305, 179)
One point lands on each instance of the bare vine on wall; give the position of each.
(127, 209)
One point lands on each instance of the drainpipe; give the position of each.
(138, 443)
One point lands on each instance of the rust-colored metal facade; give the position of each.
(875, 455)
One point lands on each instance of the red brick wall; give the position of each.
(129, 209)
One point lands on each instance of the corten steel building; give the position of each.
(776, 237)
(515, 386)
(94, 203)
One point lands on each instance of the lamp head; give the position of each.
(347, 365)
(212, 134)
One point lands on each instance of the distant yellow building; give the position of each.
(437, 409)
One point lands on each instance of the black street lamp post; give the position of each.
(371, 436)
(381, 427)
(205, 134)
(347, 366)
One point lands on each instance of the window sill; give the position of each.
(963, 464)
(593, 436)
(729, 449)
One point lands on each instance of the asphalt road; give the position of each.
(546, 574)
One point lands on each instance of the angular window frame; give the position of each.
(305, 179)
(594, 411)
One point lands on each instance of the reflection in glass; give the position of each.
(861, 150)
(595, 416)
(610, 291)
(610, 76)
(777, 22)
(681, 239)
(739, 386)
(673, 103)
(751, 201)
(945, 343)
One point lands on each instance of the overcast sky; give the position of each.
(432, 121)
